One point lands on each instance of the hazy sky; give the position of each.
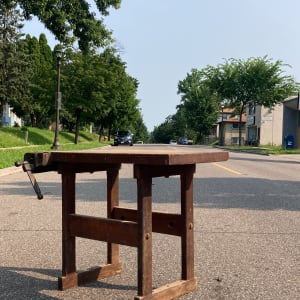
(162, 40)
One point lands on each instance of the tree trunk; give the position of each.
(109, 133)
(78, 114)
(1, 112)
(100, 132)
(241, 124)
(32, 120)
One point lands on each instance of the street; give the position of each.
(247, 232)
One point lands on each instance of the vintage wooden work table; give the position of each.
(125, 226)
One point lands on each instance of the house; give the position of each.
(264, 125)
(225, 114)
(9, 118)
(291, 121)
(214, 133)
(274, 126)
(229, 128)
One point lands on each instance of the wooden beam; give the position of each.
(161, 171)
(165, 223)
(103, 229)
(171, 291)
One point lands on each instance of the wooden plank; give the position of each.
(103, 229)
(171, 291)
(161, 171)
(187, 239)
(67, 282)
(80, 167)
(113, 251)
(99, 272)
(68, 241)
(162, 222)
(167, 156)
(144, 235)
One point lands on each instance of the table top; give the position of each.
(141, 155)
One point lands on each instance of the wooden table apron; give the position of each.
(124, 226)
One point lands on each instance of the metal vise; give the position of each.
(36, 162)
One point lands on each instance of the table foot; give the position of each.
(171, 290)
(87, 276)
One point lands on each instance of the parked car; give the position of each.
(173, 142)
(123, 137)
(183, 141)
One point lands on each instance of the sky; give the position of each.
(161, 41)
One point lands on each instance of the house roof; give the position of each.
(292, 102)
(227, 110)
(235, 119)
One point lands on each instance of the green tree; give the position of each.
(140, 130)
(98, 90)
(174, 127)
(256, 80)
(14, 64)
(72, 19)
(82, 86)
(119, 91)
(199, 103)
(164, 132)
(39, 106)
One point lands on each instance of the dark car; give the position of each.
(123, 137)
(183, 141)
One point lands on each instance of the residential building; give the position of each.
(264, 125)
(229, 129)
(225, 114)
(9, 118)
(276, 126)
(215, 133)
(291, 121)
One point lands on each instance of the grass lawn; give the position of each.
(13, 144)
(266, 150)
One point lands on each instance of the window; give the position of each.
(235, 126)
(251, 109)
(235, 141)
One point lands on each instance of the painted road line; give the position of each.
(227, 169)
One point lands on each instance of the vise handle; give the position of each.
(36, 162)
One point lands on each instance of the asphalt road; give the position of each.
(247, 232)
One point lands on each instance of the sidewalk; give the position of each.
(10, 170)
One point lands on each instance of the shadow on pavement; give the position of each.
(26, 283)
(245, 193)
(29, 283)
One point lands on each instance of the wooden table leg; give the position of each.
(69, 276)
(144, 175)
(113, 256)
(187, 238)
(144, 194)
